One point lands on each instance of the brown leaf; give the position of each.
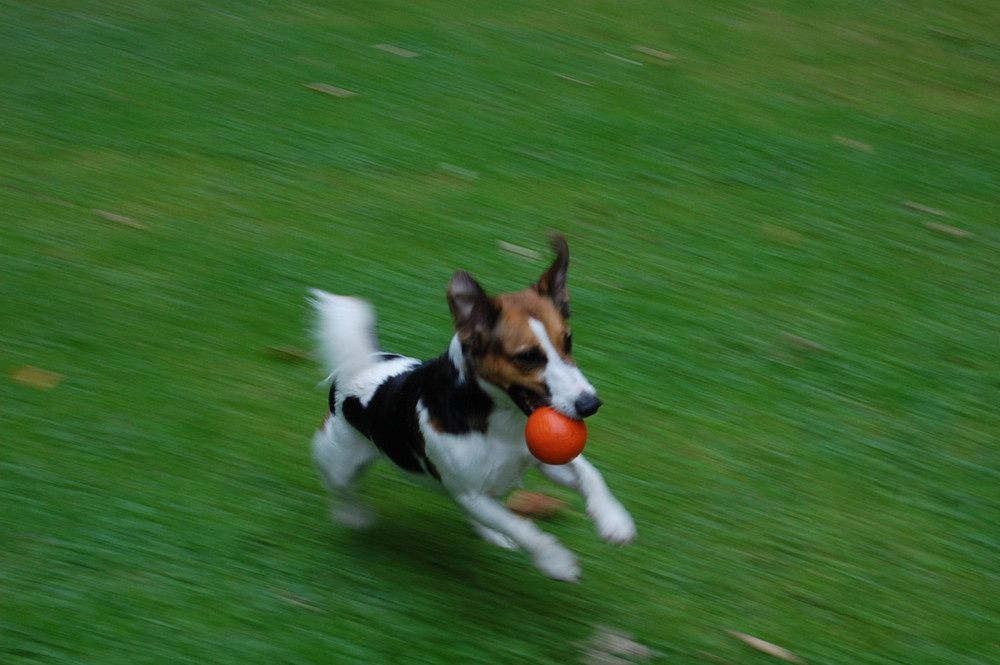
(327, 89)
(927, 210)
(609, 646)
(396, 50)
(952, 231)
(533, 504)
(119, 219)
(645, 50)
(35, 377)
(459, 172)
(801, 343)
(853, 143)
(766, 647)
(299, 601)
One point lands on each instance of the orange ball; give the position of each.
(552, 437)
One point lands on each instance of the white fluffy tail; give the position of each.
(346, 333)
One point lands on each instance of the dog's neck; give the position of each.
(467, 376)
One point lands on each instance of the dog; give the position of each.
(456, 423)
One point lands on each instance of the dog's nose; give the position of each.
(587, 405)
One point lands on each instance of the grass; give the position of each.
(785, 285)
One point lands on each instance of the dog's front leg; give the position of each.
(613, 522)
(548, 554)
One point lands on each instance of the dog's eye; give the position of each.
(568, 343)
(529, 359)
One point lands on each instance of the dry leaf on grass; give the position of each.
(766, 647)
(533, 504)
(853, 143)
(396, 50)
(299, 601)
(573, 80)
(609, 646)
(35, 377)
(645, 50)
(119, 219)
(619, 58)
(801, 343)
(327, 89)
(458, 171)
(952, 231)
(927, 210)
(517, 250)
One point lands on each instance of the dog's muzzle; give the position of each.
(587, 405)
(526, 399)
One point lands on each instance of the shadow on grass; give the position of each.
(433, 574)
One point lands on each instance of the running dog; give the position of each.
(456, 423)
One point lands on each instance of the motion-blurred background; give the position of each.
(784, 226)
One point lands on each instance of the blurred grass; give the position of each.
(798, 366)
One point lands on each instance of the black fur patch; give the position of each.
(356, 415)
(453, 408)
(384, 356)
(390, 419)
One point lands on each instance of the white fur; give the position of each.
(341, 454)
(566, 382)
(613, 522)
(346, 332)
(492, 463)
(476, 469)
(455, 354)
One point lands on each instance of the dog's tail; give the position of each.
(346, 333)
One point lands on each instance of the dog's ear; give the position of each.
(553, 282)
(474, 312)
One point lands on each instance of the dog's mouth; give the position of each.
(527, 399)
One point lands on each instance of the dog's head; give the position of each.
(520, 342)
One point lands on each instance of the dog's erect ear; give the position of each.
(553, 282)
(474, 312)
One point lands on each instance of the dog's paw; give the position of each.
(615, 525)
(494, 537)
(353, 515)
(559, 563)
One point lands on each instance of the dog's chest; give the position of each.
(492, 462)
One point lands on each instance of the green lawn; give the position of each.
(786, 281)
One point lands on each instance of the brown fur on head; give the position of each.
(497, 338)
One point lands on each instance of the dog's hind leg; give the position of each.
(613, 522)
(341, 454)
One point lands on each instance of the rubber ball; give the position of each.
(552, 437)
